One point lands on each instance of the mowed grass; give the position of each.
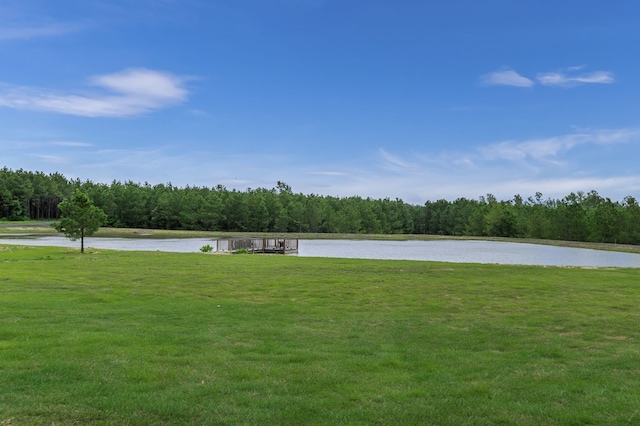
(133, 338)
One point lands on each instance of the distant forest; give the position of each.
(579, 216)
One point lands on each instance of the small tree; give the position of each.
(79, 218)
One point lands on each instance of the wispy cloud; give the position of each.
(71, 144)
(328, 173)
(506, 78)
(392, 162)
(52, 159)
(35, 31)
(568, 77)
(33, 145)
(128, 93)
(550, 165)
(548, 149)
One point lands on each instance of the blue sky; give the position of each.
(410, 99)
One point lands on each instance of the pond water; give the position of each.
(469, 252)
(439, 250)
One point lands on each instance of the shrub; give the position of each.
(206, 249)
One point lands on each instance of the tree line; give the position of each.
(578, 216)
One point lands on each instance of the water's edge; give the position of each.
(458, 251)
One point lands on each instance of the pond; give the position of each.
(466, 251)
(440, 250)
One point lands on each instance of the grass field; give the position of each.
(132, 338)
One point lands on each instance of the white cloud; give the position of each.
(537, 149)
(71, 144)
(564, 78)
(142, 83)
(36, 31)
(54, 159)
(549, 148)
(328, 173)
(392, 162)
(550, 165)
(128, 93)
(567, 79)
(40, 144)
(506, 78)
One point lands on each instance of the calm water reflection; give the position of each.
(174, 245)
(469, 252)
(441, 250)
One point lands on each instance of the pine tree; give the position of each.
(79, 218)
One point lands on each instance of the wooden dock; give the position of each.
(258, 245)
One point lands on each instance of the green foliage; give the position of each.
(242, 250)
(206, 248)
(578, 216)
(79, 218)
(181, 339)
(500, 221)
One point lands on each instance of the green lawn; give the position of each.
(160, 338)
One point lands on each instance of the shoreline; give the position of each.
(35, 229)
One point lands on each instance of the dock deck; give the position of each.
(258, 245)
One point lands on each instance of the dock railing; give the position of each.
(258, 245)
